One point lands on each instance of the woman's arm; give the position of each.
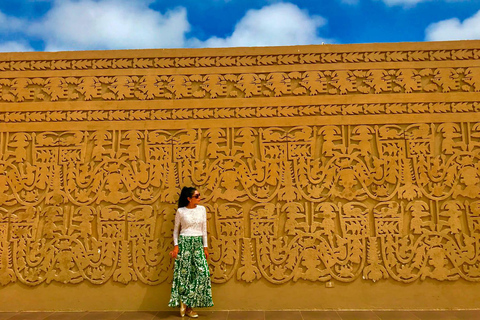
(205, 235)
(176, 232)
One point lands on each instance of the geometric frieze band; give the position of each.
(238, 112)
(241, 60)
(285, 204)
(244, 85)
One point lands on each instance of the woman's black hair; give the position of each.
(187, 192)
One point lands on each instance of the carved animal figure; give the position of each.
(409, 79)
(180, 86)
(344, 81)
(446, 78)
(315, 82)
(90, 87)
(363, 135)
(279, 83)
(379, 80)
(331, 135)
(20, 89)
(123, 87)
(215, 84)
(250, 84)
(472, 77)
(150, 87)
(57, 88)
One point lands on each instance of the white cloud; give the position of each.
(127, 24)
(411, 3)
(406, 3)
(273, 25)
(454, 29)
(15, 46)
(10, 24)
(110, 24)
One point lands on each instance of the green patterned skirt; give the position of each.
(191, 277)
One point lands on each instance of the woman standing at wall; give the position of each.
(191, 285)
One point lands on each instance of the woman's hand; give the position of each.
(174, 252)
(205, 249)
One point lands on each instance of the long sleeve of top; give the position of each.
(190, 222)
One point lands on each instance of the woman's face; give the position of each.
(195, 199)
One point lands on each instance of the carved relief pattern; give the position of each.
(242, 61)
(243, 85)
(238, 113)
(291, 203)
(308, 199)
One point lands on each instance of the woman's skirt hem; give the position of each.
(191, 276)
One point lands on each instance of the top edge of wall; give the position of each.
(245, 51)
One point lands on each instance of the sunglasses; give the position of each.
(196, 195)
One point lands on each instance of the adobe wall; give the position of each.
(335, 176)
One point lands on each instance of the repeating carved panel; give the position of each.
(238, 112)
(285, 203)
(237, 60)
(244, 85)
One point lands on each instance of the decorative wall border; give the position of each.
(239, 112)
(334, 202)
(241, 85)
(241, 61)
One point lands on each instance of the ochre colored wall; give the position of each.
(335, 176)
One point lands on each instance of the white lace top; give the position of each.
(191, 222)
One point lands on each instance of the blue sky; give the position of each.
(59, 25)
